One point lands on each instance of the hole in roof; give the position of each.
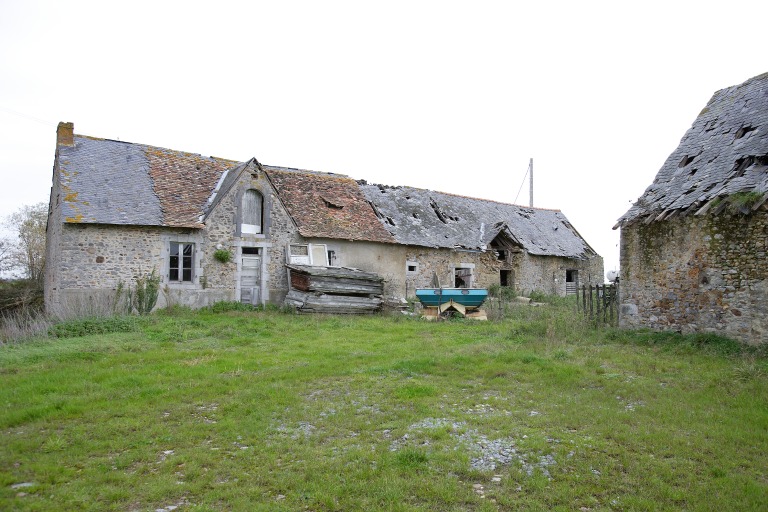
(390, 221)
(415, 215)
(693, 171)
(740, 167)
(333, 205)
(686, 160)
(744, 130)
(438, 212)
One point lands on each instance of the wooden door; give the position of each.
(250, 280)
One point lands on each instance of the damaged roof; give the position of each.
(723, 153)
(111, 182)
(327, 205)
(436, 219)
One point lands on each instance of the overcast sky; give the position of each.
(441, 95)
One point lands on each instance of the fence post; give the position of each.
(577, 299)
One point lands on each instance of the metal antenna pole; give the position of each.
(530, 170)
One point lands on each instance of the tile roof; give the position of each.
(111, 182)
(436, 219)
(724, 152)
(327, 205)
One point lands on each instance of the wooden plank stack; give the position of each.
(337, 290)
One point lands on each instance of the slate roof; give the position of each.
(327, 205)
(111, 182)
(724, 152)
(436, 219)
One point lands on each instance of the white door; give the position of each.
(250, 280)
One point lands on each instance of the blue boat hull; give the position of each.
(468, 297)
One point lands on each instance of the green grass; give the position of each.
(244, 410)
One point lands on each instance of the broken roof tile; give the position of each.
(731, 159)
(327, 205)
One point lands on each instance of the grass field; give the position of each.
(272, 411)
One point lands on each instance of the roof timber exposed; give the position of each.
(725, 152)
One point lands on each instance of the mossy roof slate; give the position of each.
(111, 182)
(723, 153)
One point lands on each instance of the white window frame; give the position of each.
(317, 255)
(465, 266)
(252, 229)
(180, 265)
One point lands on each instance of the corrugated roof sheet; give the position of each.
(724, 152)
(110, 182)
(327, 205)
(436, 219)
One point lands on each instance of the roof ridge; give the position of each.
(466, 197)
(278, 168)
(187, 153)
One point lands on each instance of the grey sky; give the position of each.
(451, 96)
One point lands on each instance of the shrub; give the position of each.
(537, 296)
(146, 292)
(502, 292)
(21, 294)
(222, 255)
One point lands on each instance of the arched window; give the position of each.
(253, 205)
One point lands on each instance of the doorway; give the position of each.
(250, 276)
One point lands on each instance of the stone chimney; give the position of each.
(65, 134)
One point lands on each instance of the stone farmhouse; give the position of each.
(693, 247)
(120, 210)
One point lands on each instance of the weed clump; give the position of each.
(226, 306)
(85, 326)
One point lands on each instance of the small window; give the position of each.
(251, 251)
(571, 281)
(411, 267)
(463, 278)
(252, 212)
(180, 262)
(332, 258)
(501, 254)
(308, 254)
(506, 278)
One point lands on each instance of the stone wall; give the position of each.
(547, 274)
(697, 274)
(222, 230)
(528, 272)
(53, 235)
(94, 260)
(87, 260)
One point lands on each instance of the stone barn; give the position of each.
(693, 246)
(215, 229)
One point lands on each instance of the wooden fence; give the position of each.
(599, 303)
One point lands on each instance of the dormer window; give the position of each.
(252, 208)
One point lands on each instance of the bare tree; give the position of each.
(26, 252)
(6, 246)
